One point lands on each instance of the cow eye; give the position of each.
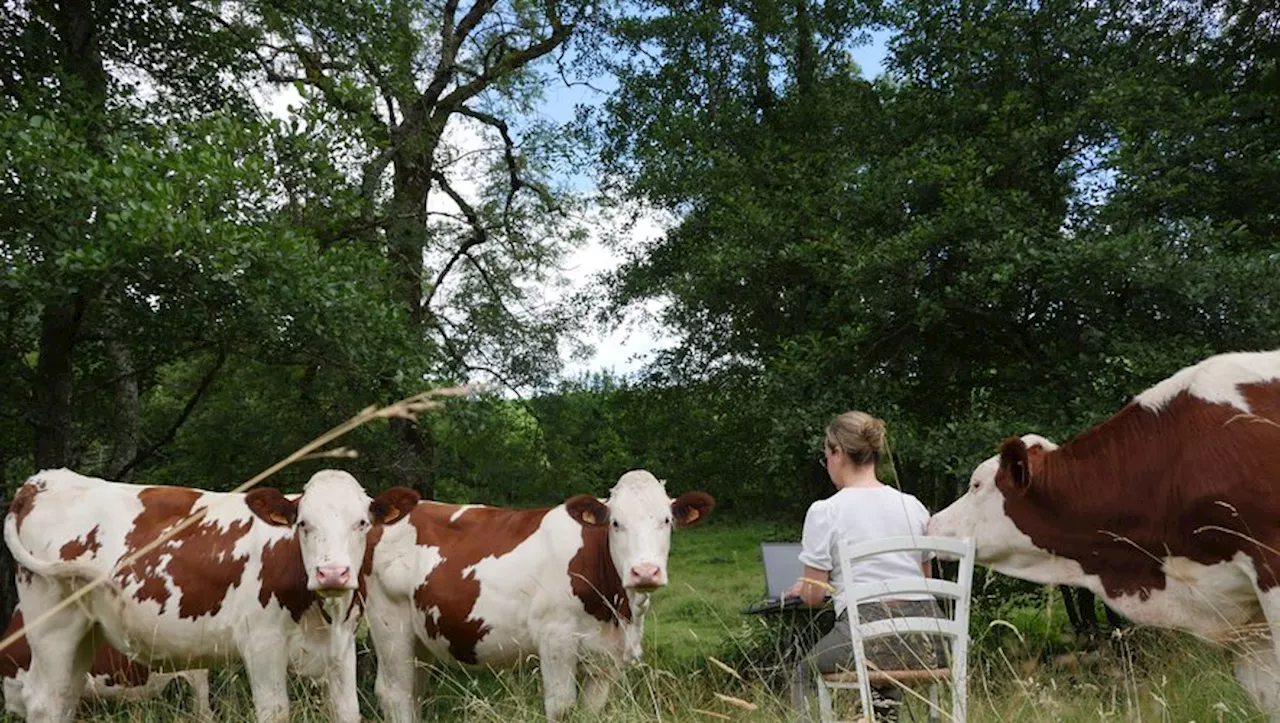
(976, 486)
(302, 525)
(667, 521)
(362, 525)
(616, 525)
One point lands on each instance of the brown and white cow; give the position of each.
(111, 676)
(490, 586)
(259, 577)
(1170, 510)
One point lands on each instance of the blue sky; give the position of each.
(624, 350)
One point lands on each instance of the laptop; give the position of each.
(782, 568)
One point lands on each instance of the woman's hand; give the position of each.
(812, 588)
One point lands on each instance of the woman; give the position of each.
(862, 509)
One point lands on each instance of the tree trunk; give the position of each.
(126, 414)
(415, 457)
(407, 230)
(55, 381)
(806, 53)
(407, 236)
(86, 89)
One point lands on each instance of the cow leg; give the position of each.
(199, 682)
(1113, 618)
(394, 683)
(340, 679)
(1257, 667)
(1267, 572)
(13, 695)
(1258, 664)
(268, 668)
(1088, 612)
(595, 690)
(1080, 612)
(1069, 602)
(61, 655)
(559, 663)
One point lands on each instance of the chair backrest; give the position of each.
(954, 628)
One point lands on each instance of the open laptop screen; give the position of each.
(781, 567)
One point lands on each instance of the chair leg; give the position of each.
(826, 711)
(934, 716)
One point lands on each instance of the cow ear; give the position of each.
(587, 510)
(393, 504)
(691, 508)
(273, 507)
(1016, 463)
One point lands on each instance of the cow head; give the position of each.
(332, 518)
(639, 515)
(981, 513)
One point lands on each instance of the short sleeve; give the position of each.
(815, 543)
(920, 523)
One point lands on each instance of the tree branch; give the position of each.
(371, 178)
(451, 39)
(314, 75)
(488, 282)
(564, 77)
(205, 382)
(508, 151)
(510, 61)
(478, 233)
(500, 377)
(513, 167)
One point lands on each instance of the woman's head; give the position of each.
(858, 435)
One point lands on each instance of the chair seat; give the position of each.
(905, 677)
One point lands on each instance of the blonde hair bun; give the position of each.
(859, 435)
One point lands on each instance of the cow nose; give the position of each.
(332, 576)
(646, 575)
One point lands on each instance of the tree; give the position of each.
(410, 81)
(152, 218)
(961, 246)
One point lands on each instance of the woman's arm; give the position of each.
(812, 588)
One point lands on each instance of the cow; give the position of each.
(260, 577)
(490, 586)
(1169, 510)
(111, 676)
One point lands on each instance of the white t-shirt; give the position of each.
(859, 514)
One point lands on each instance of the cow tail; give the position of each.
(24, 558)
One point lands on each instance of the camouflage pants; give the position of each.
(834, 653)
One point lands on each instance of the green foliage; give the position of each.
(1037, 212)
(191, 290)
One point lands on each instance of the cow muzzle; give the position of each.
(333, 580)
(646, 577)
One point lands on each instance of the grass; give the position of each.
(1024, 667)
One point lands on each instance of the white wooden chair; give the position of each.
(953, 629)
